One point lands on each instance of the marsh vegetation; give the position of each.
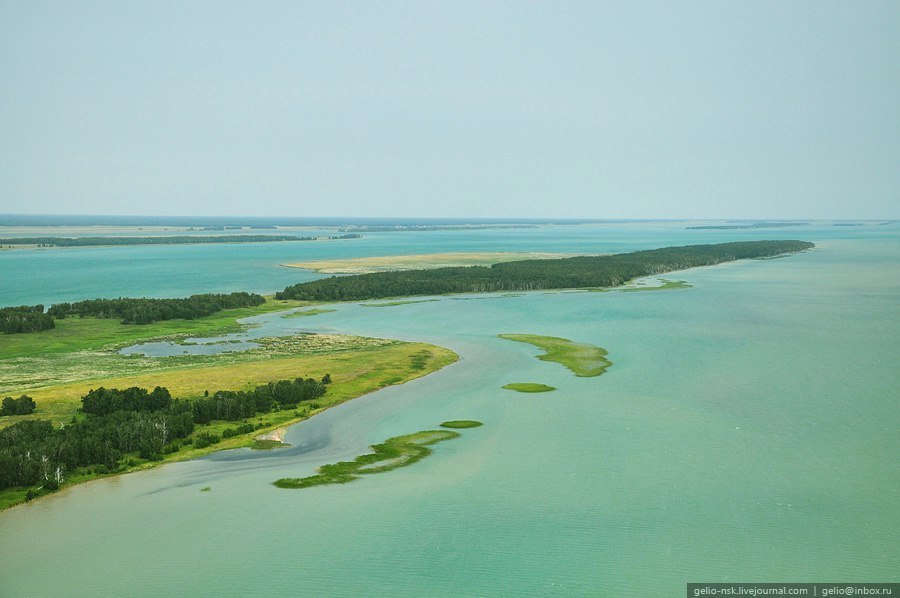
(583, 360)
(528, 387)
(395, 452)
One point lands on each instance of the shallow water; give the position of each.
(746, 431)
(169, 348)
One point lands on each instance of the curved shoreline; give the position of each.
(350, 382)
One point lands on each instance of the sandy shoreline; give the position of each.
(276, 435)
(366, 265)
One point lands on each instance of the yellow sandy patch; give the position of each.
(364, 265)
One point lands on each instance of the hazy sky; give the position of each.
(594, 109)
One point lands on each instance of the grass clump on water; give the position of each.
(461, 423)
(308, 312)
(528, 387)
(395, 452)
(582, 360)
(267, 445)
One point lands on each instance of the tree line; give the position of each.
(21, 406)
(146, 311)
(133, 421)
(32, 318)
(25, 318)
(529, 275)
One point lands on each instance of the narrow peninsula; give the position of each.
(534, 275)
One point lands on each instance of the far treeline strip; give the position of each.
(170, 240)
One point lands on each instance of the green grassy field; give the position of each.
(582, 360)
(355, 369)
(24, 374)
(57, 367)
(354, 372)
(78, 334)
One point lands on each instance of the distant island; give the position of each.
(752, 225)
(582, 360)
(170, 240)
(386, 228)
(532, 275)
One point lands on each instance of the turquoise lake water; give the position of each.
(747, 431)
(29, 276)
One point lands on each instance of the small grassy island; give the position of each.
(583, 360)
(461, 423)
(395, 452)
(528, 387)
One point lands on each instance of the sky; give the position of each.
(631, 109)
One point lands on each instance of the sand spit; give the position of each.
(365, 265)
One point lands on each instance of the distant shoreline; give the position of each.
(114, 241)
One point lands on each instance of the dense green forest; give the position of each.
(529, 275)
(133, 421)
(170, 240)
(21, 406)
(145, 311)
(31, 318)
(25, 318)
